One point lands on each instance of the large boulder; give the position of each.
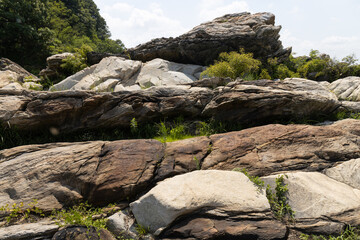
(213, 200)
(274, 148)
(239, 101)
(54, 62)
(62, 174)
(109, 68)
(346, 88)
(255, 33)
(322, 205)
(347, 172)
(8, 65)
(116, 73)
(159, 72)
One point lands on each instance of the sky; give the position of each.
(330, 26)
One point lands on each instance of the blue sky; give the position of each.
(330, 26)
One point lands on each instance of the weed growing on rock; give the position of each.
(83, 214)
(141, 230)
(350, 233)
(255, 179)
(20, 212)
(197, 163)
(278, 200)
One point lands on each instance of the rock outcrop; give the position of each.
(213, 197)
(240, 101)
(8, 65)
(44, 229)
(119, 74)
(53, 68)
(346, 88)
(255, 33)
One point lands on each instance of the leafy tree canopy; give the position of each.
(32, 30)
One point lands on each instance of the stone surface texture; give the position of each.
(346, 88)
(255, 33)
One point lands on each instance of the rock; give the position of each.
(183, 156)
(260, 101)
(218, 194)
(120, 88)
(347, 172)
(320, 203)
(264, 99)
(14, 86)
(7, 77)
(61, 174)
(95, 57)
(44, 229)
(83, 233)
(159, 72)
(255, 33)
(6, 64)
(211, 82)
(107, 86)
(32, 86)
(54, 65)
(346, 88)
(109, 68)
(121, 224)
(272, 148)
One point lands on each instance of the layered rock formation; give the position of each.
(240, 101)
(255, 33)
(53, 67)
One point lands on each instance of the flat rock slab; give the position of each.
(320, 201)
(271, 148)
(40, 230)
(61, 174)
(240, 101)
(221, 193)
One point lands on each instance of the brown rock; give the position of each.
(272, 148)
(198, 227)
(255, 33)
(183, 156)
(244, 102)
(61, 174)
(82, 233)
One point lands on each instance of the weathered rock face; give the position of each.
(60, 174)
(254, 32)
(347, 172)
(81, 232)
(216, 194)
(346, 88)
(112, 73)
(53, 65)
(41, 230)
(271, 148)
(8, 65)
(159, 72)
(321, 204)
(241, 101)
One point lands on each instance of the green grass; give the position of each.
(350, 233)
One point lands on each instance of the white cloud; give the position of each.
(133, 25)
(211, 9)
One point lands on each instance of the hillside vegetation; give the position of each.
(30, 31)
(317, 66)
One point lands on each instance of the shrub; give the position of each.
(233, 65)
(77, 62)
(278, 200)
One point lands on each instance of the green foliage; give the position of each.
(255, 179)
(30, 31)
(350, 233)
(141, 230)
(134, 126)
(233, 65)
(197, 163)
(81, 214)
(19, 211)
(77, 62)
(278, 200)
(176, 131)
